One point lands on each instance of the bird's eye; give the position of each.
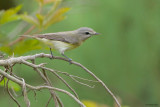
(87, 33)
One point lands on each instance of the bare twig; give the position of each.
(83, 78)
(25, 93)
(40, 87)
(48, 101)
(106, 88)
(58, 99)
(34, 95)
(11, 94)
(1, 78)
(65, 83)
(32, 57)
(46, 80)
(82, 83)
(13, 91)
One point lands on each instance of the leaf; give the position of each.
(26, 46)
(22, 47)
(6, 49)
(10, 15)
(1, 13)
(11, 84)
(29, 19)
(88, 103)
(58, 16)
(40, 18)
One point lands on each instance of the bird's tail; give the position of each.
(28, 36)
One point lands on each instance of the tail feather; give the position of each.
(28, 36)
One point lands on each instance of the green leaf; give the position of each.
(10, 15)
(58, 16)
(6, 49)
(40, 18)
(26, 46)
(11, 84)
(29, 19)
(1, 13)
(22, 47)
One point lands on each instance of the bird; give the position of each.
(64, 41)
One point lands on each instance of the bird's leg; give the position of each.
(69, 59)
(51, 53)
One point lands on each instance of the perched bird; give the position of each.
(63, 41)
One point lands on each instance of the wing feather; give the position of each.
(67, 37)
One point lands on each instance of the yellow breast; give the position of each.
(59, 45)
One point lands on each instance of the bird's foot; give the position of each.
(51, 57)
(70, 61)
(51, 54)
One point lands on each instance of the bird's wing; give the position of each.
(61, 36)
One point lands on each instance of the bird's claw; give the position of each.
(51, 57)
(70, 61)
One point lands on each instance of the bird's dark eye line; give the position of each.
(87, 33)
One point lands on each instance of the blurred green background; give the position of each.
(126, 56)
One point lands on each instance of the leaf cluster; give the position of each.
(48, 13)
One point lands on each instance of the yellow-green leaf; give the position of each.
(22, 47)
(40, 18)
(11, 84)
(29, 19)
(26, 46)
(56, 17)
(10, 15)
(88, 103)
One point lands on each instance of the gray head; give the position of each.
(86, 31)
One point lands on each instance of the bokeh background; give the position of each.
(126, 56)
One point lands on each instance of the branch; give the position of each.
(55, 98)
(40, 87)
(21, 59)
(11, 94)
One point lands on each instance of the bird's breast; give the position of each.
(62, 46)
(59, 45)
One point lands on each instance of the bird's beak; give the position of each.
(96, 33)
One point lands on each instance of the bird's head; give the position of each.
(85, 32)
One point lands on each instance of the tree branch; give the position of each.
(40, 87)
(23, 59)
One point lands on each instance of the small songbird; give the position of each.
(63, 41)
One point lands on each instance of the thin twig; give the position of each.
(25, 93)
(40, 87)
(2, 77)
(13, 91)
(48, 101)
(11, 94)
(32, 57)
(83, 83)
(34, 95)
(46, 78)
(47, 82)
(64, 82)
(50, 84)
(83, 78)
(103, 84)
(51, 70)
